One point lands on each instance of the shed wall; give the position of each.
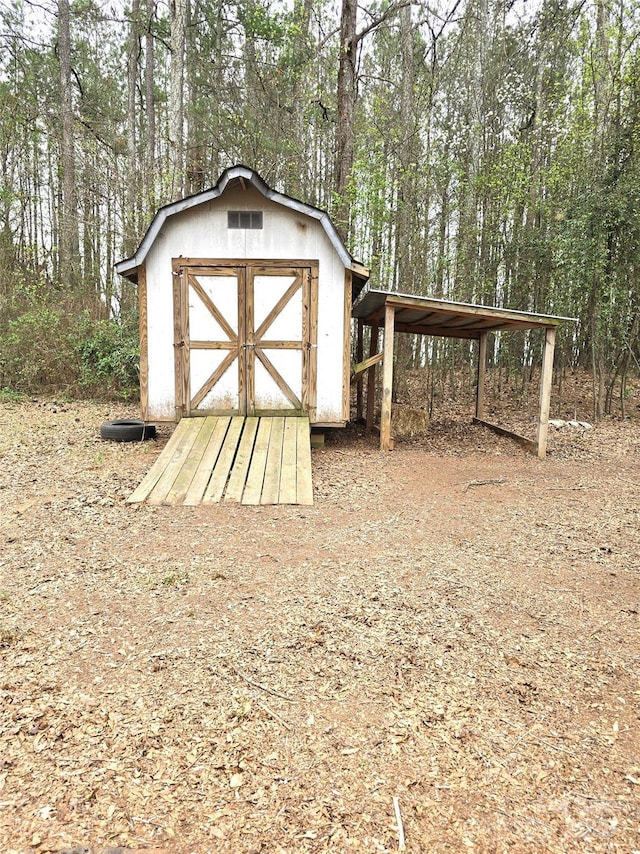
(202, 232)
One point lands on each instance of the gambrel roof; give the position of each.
(128, 267)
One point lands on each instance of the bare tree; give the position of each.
(179, 11)
(69, 242)
(149, 103)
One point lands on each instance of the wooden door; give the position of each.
(245, 338)
(278, 339)
(209, 339)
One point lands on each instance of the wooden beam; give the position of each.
(202, 266)
(247, 363)
(181, 484)
(360, 269)
(313, 342)
(255, 477)
(437, 331)
(346, 352)
(359, 355)
(244, 400)
(358, 369)
(387, 378)
(491, 313)
(180, 341)
(166, 480)
(482, 372)
(144, 343)
(529, 444)
(545, 391)
(371, 379)
(214, 345)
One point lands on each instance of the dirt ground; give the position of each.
(449, 635)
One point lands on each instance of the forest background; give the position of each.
(486, 151)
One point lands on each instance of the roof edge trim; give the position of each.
(378, 298)
(127, 266)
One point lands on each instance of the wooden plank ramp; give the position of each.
(255, 460)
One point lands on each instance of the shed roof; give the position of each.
(128, 267)
(432, 316)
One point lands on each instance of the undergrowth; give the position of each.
(49, 344)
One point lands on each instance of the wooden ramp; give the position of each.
(248, 460)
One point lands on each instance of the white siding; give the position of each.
(202, 232)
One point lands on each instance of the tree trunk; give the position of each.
(132, 193)
(405, 272)
(69, 242)
(406, 156)
(347, 86)
(150, 110)
(299, 176)
(179, 11)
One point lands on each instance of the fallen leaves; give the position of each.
(235, 680)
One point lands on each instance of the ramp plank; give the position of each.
(192, 464)
(255, 478)
(238, 477)
(219, 476)
(166, 480)
(208, 461)
(288, 477)
(304, 486)
(153, 475)
(271, 485)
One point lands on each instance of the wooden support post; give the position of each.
(545, 391)
(482, 372)
(371, 379)
(387, 378)
(180, 341)
(346, 372)
(144, 343)
(359, 355)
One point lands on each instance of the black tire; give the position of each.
(127, 430)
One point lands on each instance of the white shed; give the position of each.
(245, 301)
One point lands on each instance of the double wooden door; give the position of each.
(245, 337)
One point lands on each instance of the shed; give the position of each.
(245, 299)
(395, 312)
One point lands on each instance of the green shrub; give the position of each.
(9, 395)
(36, 351)
(109, 357)
(47, 346)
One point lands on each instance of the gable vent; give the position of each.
(244, 219)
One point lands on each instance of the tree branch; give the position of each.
(380, 19)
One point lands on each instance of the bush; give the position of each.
(109, 357)
(54, 347)
(36, 351)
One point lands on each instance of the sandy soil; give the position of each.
(454, 625)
